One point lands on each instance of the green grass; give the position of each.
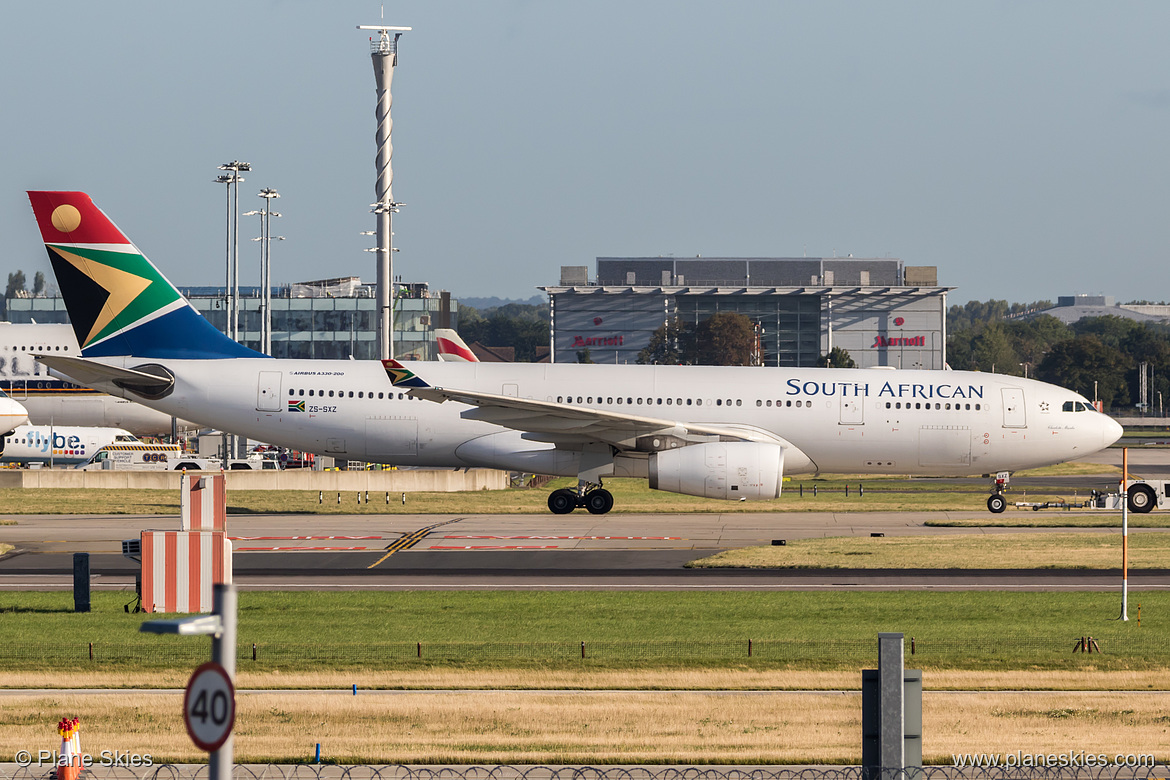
(509, 629)
(884, 494)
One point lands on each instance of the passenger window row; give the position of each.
(351, 394)
(939, 406)
(635, 401)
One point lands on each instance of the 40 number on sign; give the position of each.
(209, 707)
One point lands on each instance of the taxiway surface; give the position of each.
(615, 551)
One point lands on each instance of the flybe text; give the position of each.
(41, 442)
(887, 389)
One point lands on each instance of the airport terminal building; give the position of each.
(327, 318)
(881, 312)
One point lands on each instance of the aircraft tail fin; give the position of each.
(118, 302)
(452, 348)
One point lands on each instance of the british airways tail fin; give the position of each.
(452, 348)
(118, 302)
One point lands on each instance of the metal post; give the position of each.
(223, 652)
(266, 237)
(227, 277)
(1124, 534)
(891, 662)
(233, 271)
(235, 293)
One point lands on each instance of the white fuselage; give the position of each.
(58, 444)
(50, 400)
(944, 423)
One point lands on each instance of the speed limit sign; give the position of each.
(209, 706)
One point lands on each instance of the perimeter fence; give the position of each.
(167, 651)
(514, 772)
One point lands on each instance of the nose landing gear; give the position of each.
(996, 503)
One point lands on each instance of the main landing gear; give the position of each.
(593, 497)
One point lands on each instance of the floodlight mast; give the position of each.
(384, 54)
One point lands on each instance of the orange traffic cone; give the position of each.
(69, 762)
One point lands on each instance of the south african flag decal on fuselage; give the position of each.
(401, 376)
(296, 406)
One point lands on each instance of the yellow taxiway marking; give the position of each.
(410, 540)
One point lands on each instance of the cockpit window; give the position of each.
(1076, 406)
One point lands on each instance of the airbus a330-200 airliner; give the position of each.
(719, 432)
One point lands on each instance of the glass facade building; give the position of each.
(881, 312)
(334, 326)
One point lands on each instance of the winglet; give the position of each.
(400, 376)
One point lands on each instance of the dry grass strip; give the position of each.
(599, 679)
(1054, 723)
(1007, 551)
(652, 727)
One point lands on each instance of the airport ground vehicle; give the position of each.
(166, 457)
(139, 456)
(1144, 496)
(1141, 497)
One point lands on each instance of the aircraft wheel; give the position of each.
(562, 502)
(599, 501)
(1141, 498)
(996, 504)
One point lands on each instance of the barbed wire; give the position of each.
(541, 772)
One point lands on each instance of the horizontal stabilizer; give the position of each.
(91, 373)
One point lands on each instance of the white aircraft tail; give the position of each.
(452, 349)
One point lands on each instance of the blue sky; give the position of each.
(1022, 147)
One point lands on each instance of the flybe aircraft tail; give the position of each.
(118, 302)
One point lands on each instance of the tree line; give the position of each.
(523, 326)
(17, 288)
(1098, 357)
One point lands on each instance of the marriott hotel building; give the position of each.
(881, 312)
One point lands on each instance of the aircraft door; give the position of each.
(1013, 408)
(19, 389)
(268, 391)
(852, 411)
(390, 438)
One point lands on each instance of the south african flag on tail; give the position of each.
(401, 376)
(118, 301)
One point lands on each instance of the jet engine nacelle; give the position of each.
(728, 470)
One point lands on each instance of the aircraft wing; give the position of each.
(568, 425)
